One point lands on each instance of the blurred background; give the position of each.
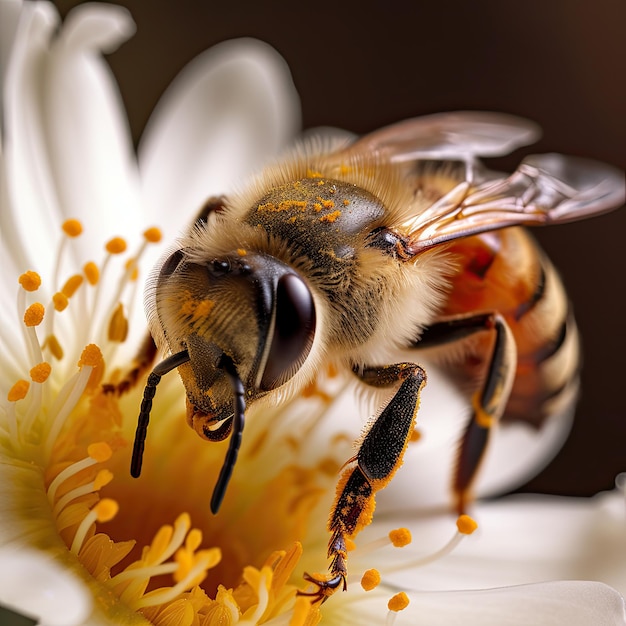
(361, 65)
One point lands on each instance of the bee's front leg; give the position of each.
(379, 456)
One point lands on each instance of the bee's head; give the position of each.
(250, 308)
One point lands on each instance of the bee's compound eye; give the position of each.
(293, 331)
(171, 263)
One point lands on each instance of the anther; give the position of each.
(152, 235)
(92, 273)
(71, 285)
(18, 391)
(99, 451)
(60, 301)
(399, 602)
(466, 525)
(118, 326)
(370, 579)
(117, 245)
(91, 356)
(72, 227)
(40, 373)
(400, 537)
(33, 316)
(30, 281)
(52, 343)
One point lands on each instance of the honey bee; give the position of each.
(350, 250)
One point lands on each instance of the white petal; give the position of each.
(574, 603)
(229, 110)
(67, 147)
(520, 539)
(36, 586)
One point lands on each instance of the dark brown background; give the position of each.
(362, 65)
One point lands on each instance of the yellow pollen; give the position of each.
(241, 252)
(92, 273)
(72, 228)
(398, 602)
(60, 301)
(71, 285)
(346, 202)
(118, 326)
(18, 391)
(481, 417)
(313, 174)
(52, 343)
(416, 435)
(91, 355)
(33, 316)
(40, 372)
(350, 544)
(99, 451)
(400, 537)
(103, 477)
(330, 217)
(466, 525)
(153, 235)
(117, 245)
(30, 281)
(370, 579)
(106, 510)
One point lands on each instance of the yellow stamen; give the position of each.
(30, 281)
(91, 356)
(18, 391)
(33, 316)
(117, 245)
(40, 373)
(98, 453)
(71, 285)
(60, 301)
(72, 228)
(92, 273)
(400, 537)
(131, 269)
(104, 511)
(370, 579)
(466, 524)
(103, 477)
(153, 235)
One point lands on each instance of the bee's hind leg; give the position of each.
(379, 456)
(489, 402)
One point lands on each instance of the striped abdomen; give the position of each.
(506, 271)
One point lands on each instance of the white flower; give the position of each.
(73, 522)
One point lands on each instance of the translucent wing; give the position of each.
(460, 135)
(545, 189)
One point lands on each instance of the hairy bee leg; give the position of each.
(378, 458)
(489, 402)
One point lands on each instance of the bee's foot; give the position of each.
(326, 586)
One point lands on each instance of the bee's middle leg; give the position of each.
(379, 456)
(489, 402)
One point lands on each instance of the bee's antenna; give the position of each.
(162, 368)
(239, 407)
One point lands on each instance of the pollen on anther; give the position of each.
(400, 537)
(99, 451)
(466, 525)
(103, 477)
(71, 285)
(52, 343)
(18, 391)
(60, 301)
(40, 373)
(118, 326)
(33, 316)
(152, 235)
(72, 227)
(117, 245)
(370, 579)
(399, 602)
(106, 509)
(92, 273)
(91, 355)
(30, 281)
